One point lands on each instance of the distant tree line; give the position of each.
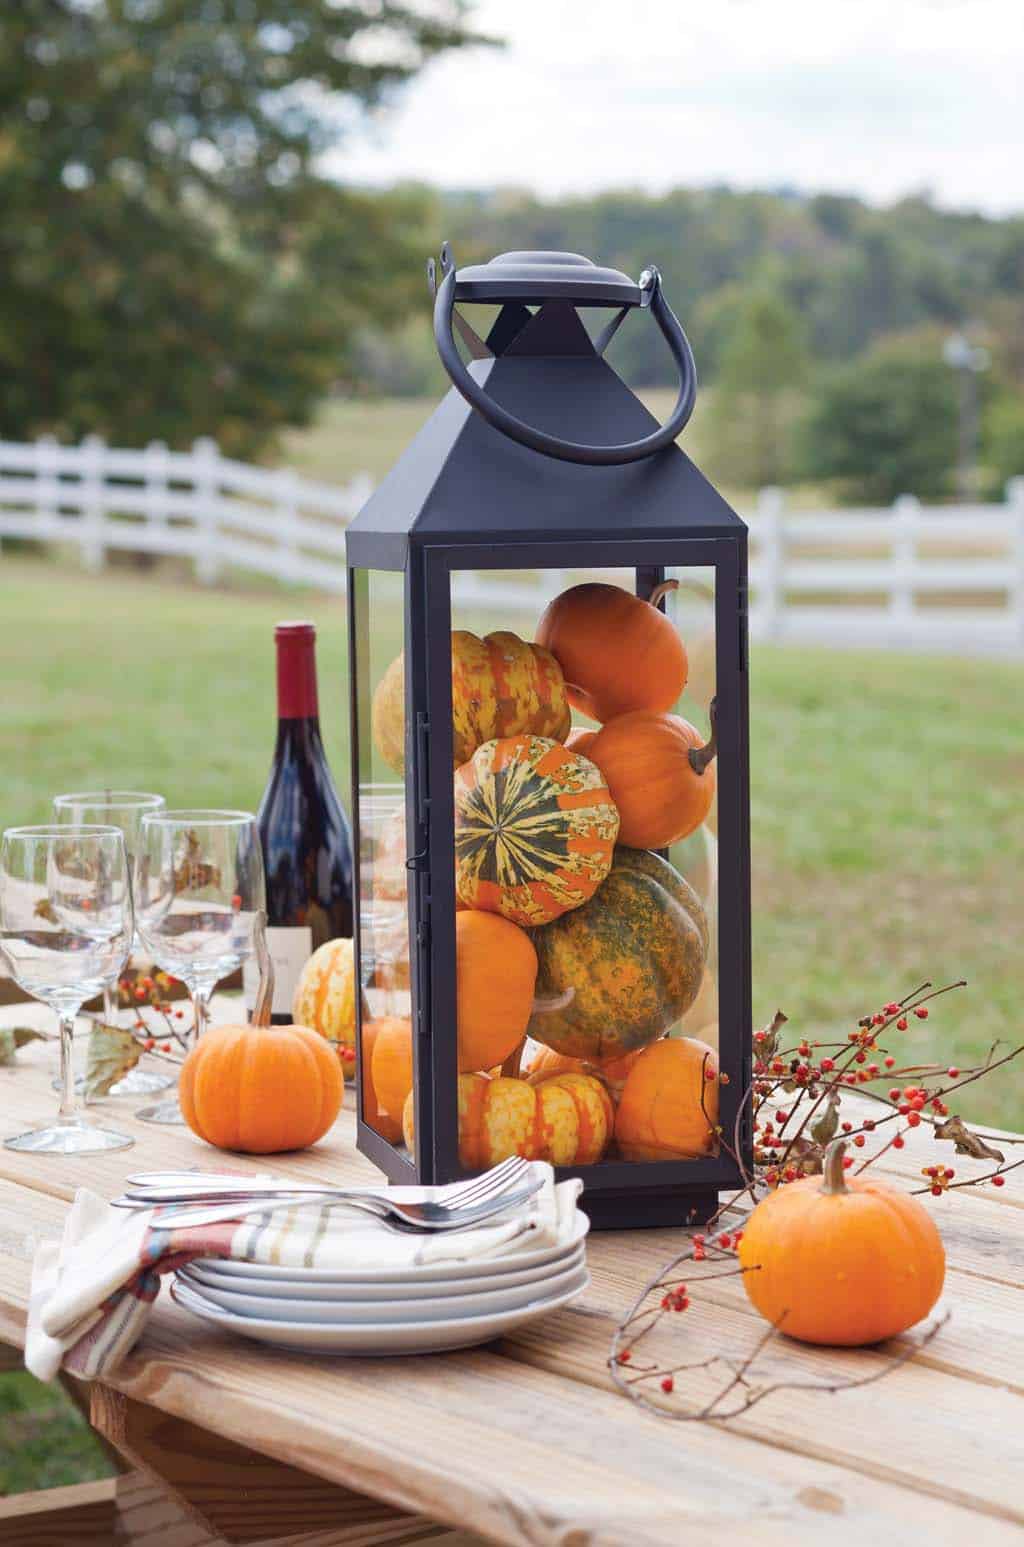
(173, 261)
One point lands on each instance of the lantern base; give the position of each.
(648, 1211)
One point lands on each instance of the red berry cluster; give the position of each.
(939, 1177)
(675, 1299)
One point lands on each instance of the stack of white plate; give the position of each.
(409, 1311)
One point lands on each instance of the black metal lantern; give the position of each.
(541, 470)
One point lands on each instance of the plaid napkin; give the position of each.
(93, 1291)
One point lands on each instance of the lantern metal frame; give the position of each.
(708, 535)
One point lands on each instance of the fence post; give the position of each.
(158, 464)
(1015, 500)
(205, 493)
(46, 490)
(905, 513)
(93, 513)
(768, 531)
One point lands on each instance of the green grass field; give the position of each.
(888, 843)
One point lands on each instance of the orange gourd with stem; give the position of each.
(838, 1259)
(261, 1088)
(496, 971)
(381, 1121)
(669, 1104)
(617, 652)
(391, 1066)
(660, 774)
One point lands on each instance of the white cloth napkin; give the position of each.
(92, 1292)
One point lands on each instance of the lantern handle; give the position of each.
(541, 440)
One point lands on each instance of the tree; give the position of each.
(748, 429)
(1003, 438)
(886, 424)
(172, 260)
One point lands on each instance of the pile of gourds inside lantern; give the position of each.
(570, 928)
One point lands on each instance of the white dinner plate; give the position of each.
(211, 1273)
(477, 1267)
(374, 1339)
(441, 1308)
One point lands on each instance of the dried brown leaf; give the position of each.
(13, 1037)
(112, 1051)
(967, 1142)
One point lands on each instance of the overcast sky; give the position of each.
(876, 97)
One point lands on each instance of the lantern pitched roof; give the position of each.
(462, 481)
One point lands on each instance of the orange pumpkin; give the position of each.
(668, 1108)
(501, 686)
(261, 1089)
(579, 739)
(566, 1120)
(617, 652)
(841, 1260)
(381, 1122)
(535, 829)
(660, 794)
(496, 971)
(325, 995)
(391, 1064)
(613, 1072)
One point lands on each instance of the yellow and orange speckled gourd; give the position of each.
(566, 1120)
(501, 686)
(325, 996)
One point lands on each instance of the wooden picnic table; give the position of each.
(525, 1440)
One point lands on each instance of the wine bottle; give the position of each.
(307, 843)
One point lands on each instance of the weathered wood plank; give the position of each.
(82, 1515)
(237, 1492)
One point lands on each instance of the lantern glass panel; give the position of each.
(383, 919)
(622, 964)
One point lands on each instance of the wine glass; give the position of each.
(66, 931)
(124, 809)
(198, 887)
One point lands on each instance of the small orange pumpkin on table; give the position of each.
(841, 1260)
(261, 1088)
(617, 652)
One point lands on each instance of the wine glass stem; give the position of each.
(201, 1012)
(67, 1077)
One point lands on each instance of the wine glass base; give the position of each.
(75, 1138)
(168, 1112)
(137, 1082)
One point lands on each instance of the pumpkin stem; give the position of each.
(265, 993)
(833, 1178)
(700, 757)
(511, 1069)
(661, 591)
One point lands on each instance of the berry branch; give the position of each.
(795, 1105)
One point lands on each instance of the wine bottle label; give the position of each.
(290, 948)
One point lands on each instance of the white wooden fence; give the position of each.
(194, 504)
(947, 577)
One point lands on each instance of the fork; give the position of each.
(150, 1188)
(420, 1217)
(482, 1195)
